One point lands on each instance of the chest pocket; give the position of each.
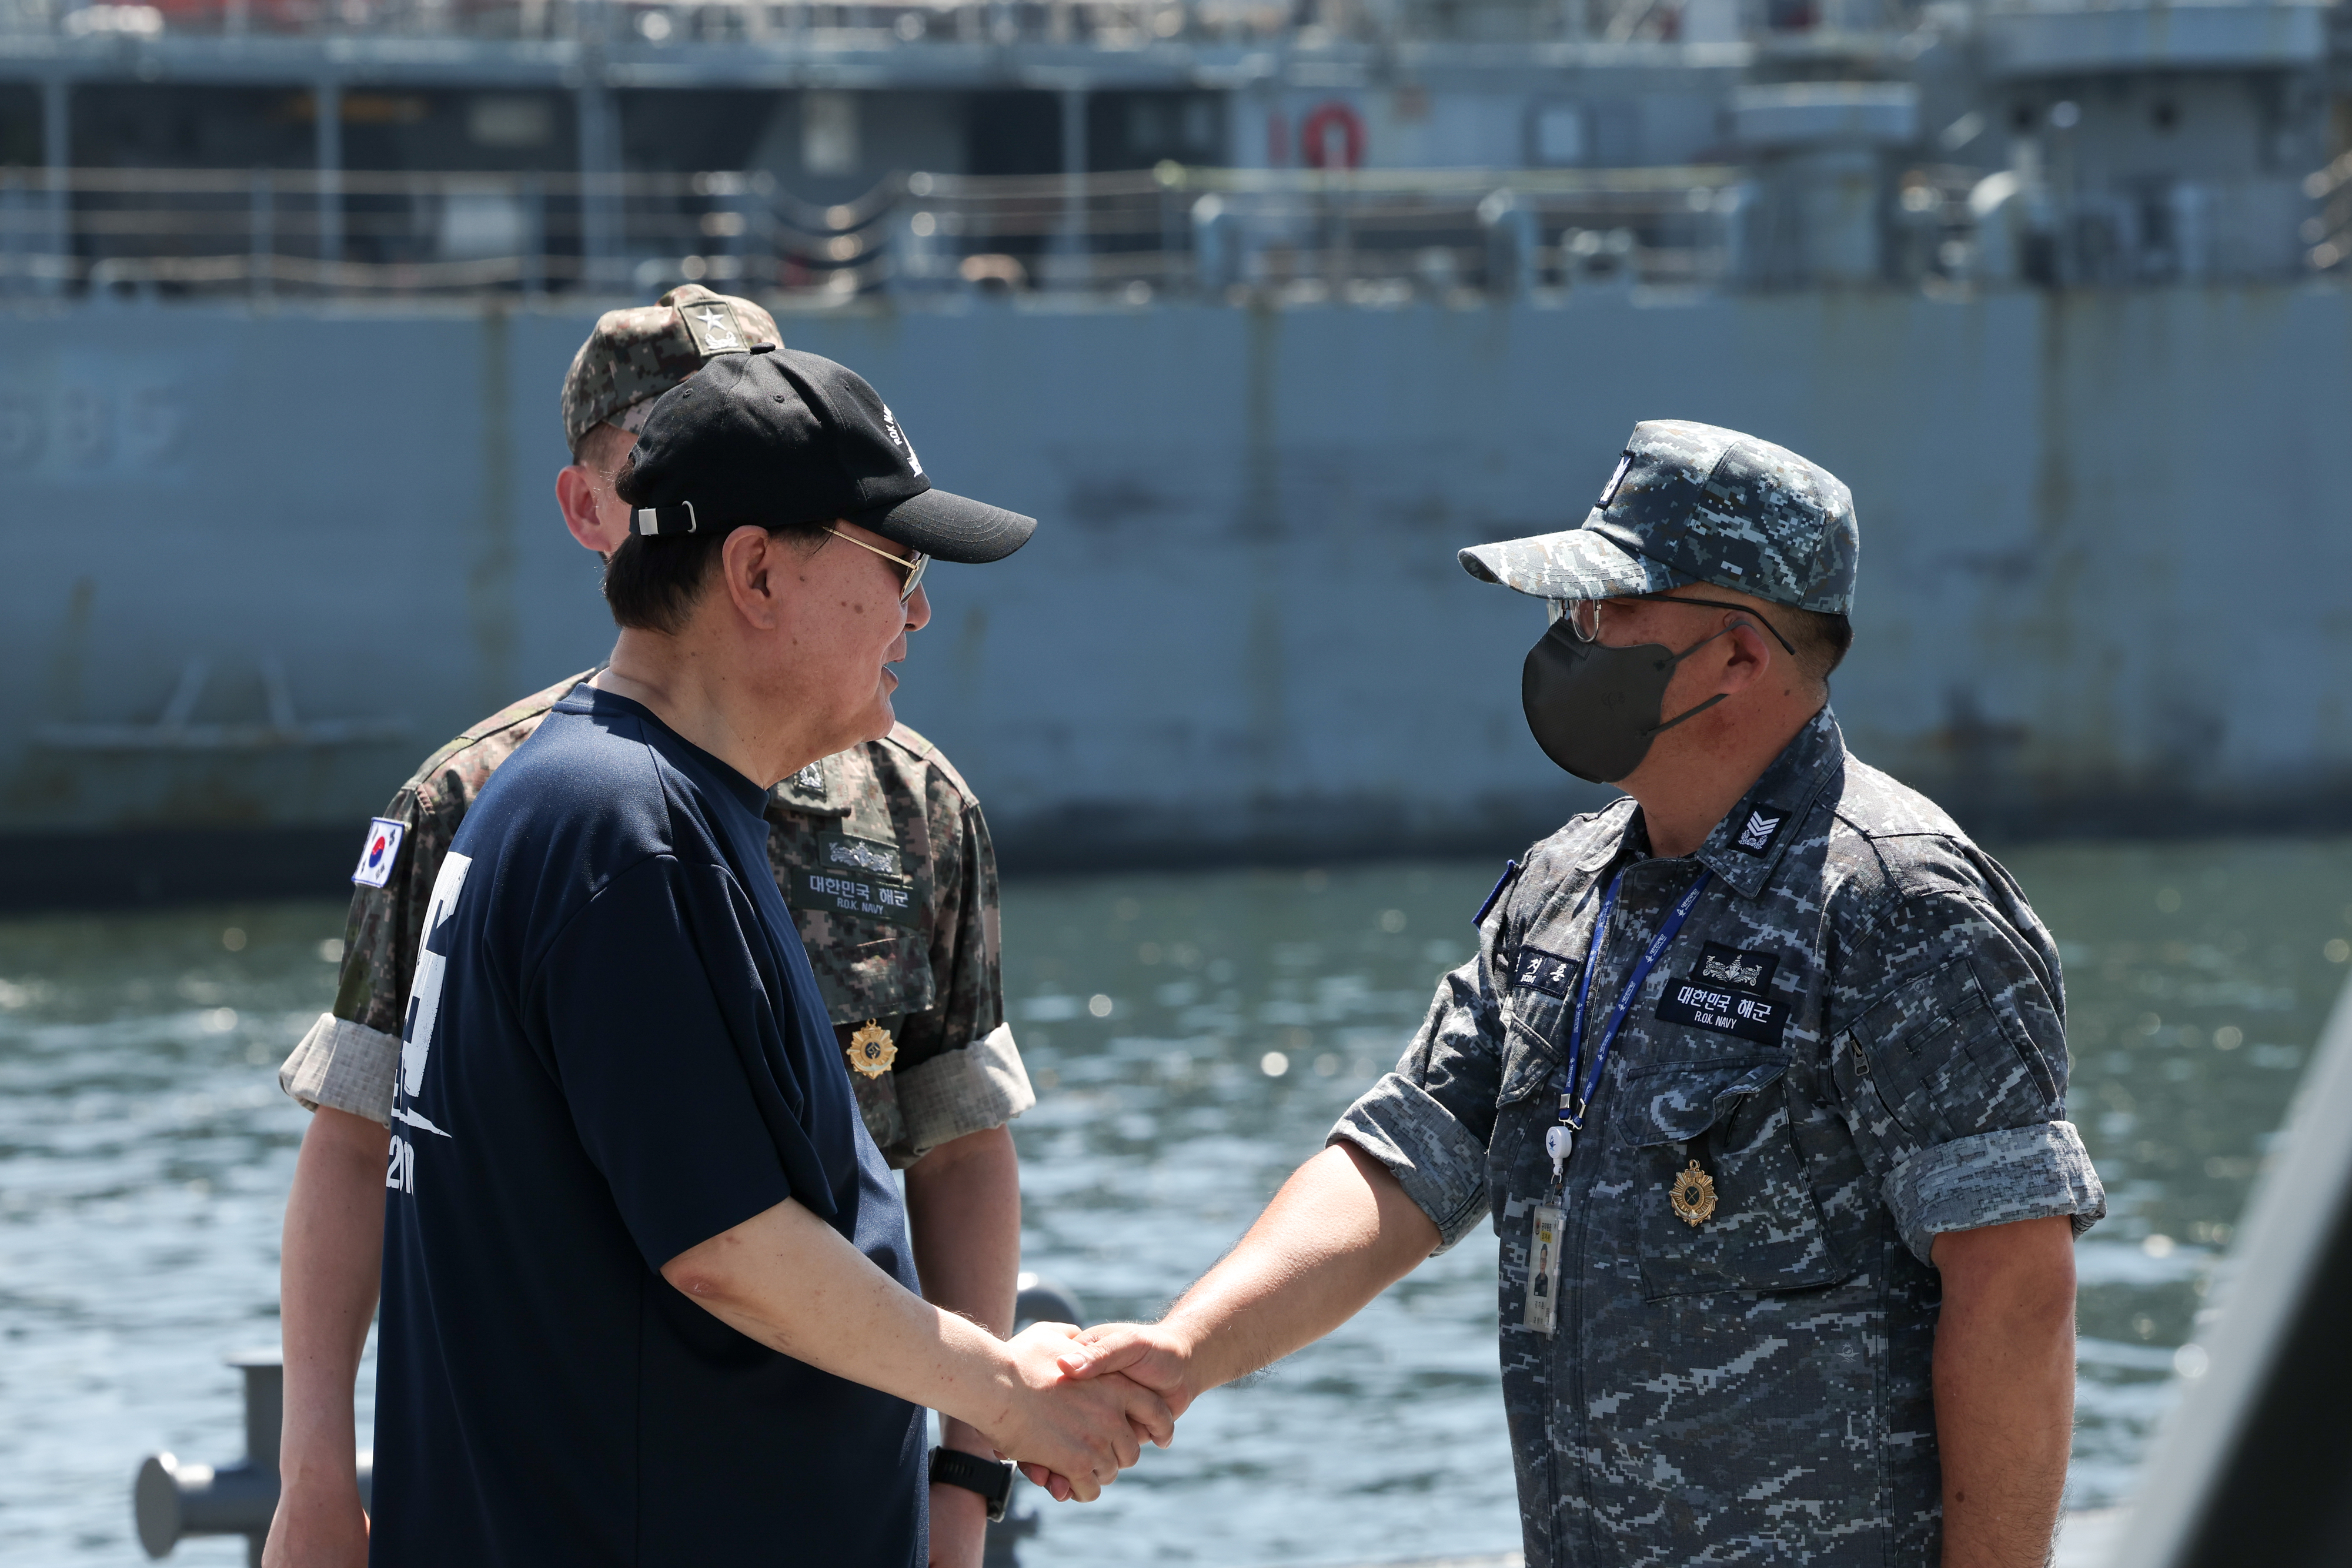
(1763, 1231)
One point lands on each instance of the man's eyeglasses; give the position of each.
(914, 567)
(1583, 615)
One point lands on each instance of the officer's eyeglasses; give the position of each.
(1583, 615)
(914, 567)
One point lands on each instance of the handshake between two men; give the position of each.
(1072, 1407)
(1340, 1232)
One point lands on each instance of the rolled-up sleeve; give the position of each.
(1955, 1076)
(1439, 1163)
(343, 1066)
(982, 1085)
(1428, 1122)
(1993, 1178)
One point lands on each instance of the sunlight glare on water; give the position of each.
(1193, 1037)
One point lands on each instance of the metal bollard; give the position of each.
(1043, 1301)
(169, 1500)
(1513, 237)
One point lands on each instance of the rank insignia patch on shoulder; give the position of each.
(1763, 826)
(377, 855)
(1724, 993)
(1537, 970)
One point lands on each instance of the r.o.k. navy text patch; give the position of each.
(1540, 971)
(1724, 992)
(860, 877)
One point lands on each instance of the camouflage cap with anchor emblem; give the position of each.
(635, 355)
(1696, 503)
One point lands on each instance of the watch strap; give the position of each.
(991, 1478)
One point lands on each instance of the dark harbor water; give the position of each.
(1193, 1037)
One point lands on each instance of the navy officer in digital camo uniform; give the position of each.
(1761, 1072)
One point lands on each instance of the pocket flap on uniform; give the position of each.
(1528, 1063)
(1678, 1104)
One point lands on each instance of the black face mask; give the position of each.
(1594, 708)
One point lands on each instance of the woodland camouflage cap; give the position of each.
(1696, 503)
(635, 355)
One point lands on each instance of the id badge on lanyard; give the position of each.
(1550, 1220)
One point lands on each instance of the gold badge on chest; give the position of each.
(872, 1050)
(1692, 1195)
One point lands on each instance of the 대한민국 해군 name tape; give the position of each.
(1724, 992)
(861, 878)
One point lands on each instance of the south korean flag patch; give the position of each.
(383, 848)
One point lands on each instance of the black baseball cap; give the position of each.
(777, 437)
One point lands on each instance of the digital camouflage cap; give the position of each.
(1696, 503)
(635, 355)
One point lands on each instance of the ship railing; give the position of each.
(801, 25)
(1368, 236)
(826, 26)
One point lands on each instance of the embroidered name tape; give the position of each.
(1724, 992)
(1725, 1011)
(856, 877)
(1537, 970)
(377, 854)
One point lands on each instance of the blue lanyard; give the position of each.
(1573, 1105)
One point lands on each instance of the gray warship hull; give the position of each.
(263, 560)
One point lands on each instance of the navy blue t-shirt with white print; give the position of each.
(615, 1051)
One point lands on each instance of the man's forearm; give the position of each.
(789, 1281)
(2004, 1375)
(1340, 1232)
(964, 1214)
(330, 1269)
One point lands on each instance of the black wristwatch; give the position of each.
(991, 1478)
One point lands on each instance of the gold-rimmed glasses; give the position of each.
(914, 567)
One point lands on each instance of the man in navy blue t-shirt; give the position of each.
(648, 1296)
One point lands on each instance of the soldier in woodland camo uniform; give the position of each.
(929, 977)
(923, 964)
(1854, 1044)
(886, 862)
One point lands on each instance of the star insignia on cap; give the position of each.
(720, 329)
